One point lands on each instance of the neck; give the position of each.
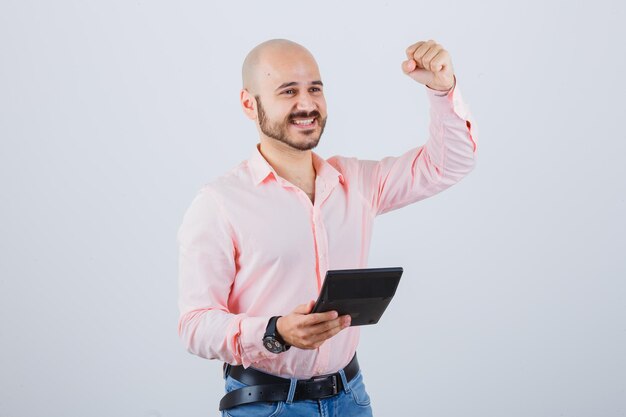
(293, 165)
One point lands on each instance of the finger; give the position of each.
(342, 321)
(325, 326)
(301, 309)
(315, 318)
(440, 61)
(429, 55)
(325, 335)
(314, 341)
(304, 308)
(411, 49)
(408, 66)
(420, 51)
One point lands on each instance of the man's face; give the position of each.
(291, 108)
(300, 130)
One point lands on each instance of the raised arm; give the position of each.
(447, 156)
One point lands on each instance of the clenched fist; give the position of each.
(429, 64)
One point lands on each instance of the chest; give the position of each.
(291, 226)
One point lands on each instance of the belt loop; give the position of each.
(292, 390)
(225, 370)
(346, 387)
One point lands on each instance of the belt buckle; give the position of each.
(335, 387)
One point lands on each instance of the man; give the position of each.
(256, 243)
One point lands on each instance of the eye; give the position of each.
(290, 91)
(315, 89)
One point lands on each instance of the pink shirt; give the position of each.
(253, 246)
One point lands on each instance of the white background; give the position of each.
(114, 113)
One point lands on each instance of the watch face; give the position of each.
(272, 345)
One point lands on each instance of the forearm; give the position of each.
(446, 157)
(451, 147)
(217, 334)
(207, 269)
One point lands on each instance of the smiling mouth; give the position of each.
(304, 123)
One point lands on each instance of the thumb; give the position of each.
(408, 66)
(422, 76)
(305, 308)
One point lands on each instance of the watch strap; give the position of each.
(272, 331)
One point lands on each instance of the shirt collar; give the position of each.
(261, 169)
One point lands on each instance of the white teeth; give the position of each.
(303, 122)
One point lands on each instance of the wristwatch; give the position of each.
(272, 340)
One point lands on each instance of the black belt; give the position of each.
(266, 387)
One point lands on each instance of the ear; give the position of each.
(248, 104)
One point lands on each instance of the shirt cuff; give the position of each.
(448, 103)
(251, 340)
(440, 93)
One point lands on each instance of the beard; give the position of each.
(279, 130)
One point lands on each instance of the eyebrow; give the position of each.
(292, 83)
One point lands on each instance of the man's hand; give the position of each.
(429, 64)
(309, 331)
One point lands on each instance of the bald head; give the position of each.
(283, 93)
(267, 59)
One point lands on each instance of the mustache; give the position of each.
(304, 115)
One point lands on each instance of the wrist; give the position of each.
(443, 89)
(272, 339)
(280, 330)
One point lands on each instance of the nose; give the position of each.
(306, 102)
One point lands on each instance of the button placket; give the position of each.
(318, 266)
(320, 234)
(322, 242)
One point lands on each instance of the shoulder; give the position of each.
(235, 180)
(343, 164)
(350, 166)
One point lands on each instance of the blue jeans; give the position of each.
(352, 401)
